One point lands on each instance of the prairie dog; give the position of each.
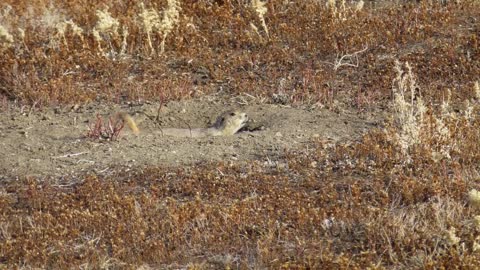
(226, 124)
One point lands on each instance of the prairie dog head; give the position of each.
(230, 122)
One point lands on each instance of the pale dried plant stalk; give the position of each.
(474, 198)
(255, 29)
(332, 4)
(50, 18)
(124, 40)
(359, 5)
(476, 222)
(106, 24)
(409, 110)
(21, 33)
(441, 129)
(476, 90)
(6, 39)
(76, 30)
(341, 12)
(468, 114)
(444, 145)
(476, 245)
(343, 6)
(151, 21)
(171, 17)
(408, 114)
(446, 111)
(261, 9)
(451, 237)
(442, 132)
(62, 27)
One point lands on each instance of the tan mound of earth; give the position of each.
(53, 142)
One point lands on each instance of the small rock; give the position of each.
(75, 108)
(278, 134)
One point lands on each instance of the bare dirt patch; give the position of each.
(53, 141)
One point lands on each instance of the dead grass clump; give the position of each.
(109, 131)
(151, 21)
(107, 29)
(261, 9)
(436, 132)
(409, 108)
(6, 39)
(63, 28)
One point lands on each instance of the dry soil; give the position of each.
(53, 142)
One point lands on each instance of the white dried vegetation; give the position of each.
(474, 201)
(359, 5)
(261, 9)
(63, 27)
(10, 31)
(413, 128)
(56, 26)
(6, 39)
(451, 237)
(408, 110)
(49, 18)
(476, 90)
(151, 22)
(107, 29)
(340, 11)
(21, 34)
(474, 198)
(337, 12)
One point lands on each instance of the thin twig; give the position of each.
(339, 61)
(71, 155)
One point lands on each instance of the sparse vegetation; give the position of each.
(405, 196)
(110, 130)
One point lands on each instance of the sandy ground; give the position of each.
(53, 142)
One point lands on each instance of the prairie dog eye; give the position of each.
(232, 114)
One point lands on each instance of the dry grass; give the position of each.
(81, 51)
(106, 130)
(403, 197)
(338, 206)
